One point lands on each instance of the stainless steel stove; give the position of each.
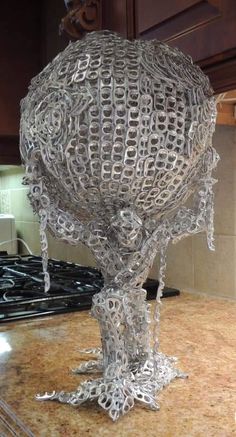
(72, 287)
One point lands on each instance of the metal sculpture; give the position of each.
(116, 135)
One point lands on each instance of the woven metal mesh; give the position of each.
(116, 135)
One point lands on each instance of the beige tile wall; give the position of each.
(190, 264)
(13, 199)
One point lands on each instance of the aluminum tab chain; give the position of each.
(116, 136)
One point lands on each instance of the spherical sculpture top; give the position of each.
(117, 123)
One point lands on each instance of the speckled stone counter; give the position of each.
(36, 356)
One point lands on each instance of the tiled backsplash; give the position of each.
(5, 201)
(191, 266)
(14, 200)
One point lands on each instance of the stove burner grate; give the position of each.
(72, 287)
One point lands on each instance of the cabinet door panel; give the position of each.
(20, 58)
(200, 28)
(118, 16)
(9, 150)
(153, 16)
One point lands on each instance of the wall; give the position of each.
(13, 199)
(191, 266)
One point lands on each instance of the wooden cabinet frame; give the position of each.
(205, 29)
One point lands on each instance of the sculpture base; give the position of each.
(118, 395)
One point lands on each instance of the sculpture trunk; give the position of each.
(124, 325)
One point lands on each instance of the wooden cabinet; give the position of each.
(19, 62)
(52, 42)
(20, 56)
(119, 16)
(205, 29)
(29, 38)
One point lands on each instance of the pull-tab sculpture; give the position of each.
(116, 135)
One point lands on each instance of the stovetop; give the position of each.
(72, 287)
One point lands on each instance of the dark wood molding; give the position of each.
(114, 16)
(222, 75)
(174, 19)
(221, 70)
(131, 18)
(204, 29)
(9, 147)
(83, 16)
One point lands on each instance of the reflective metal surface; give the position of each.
(116, 135)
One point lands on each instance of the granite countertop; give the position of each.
(36, 355)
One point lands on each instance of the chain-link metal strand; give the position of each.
(116, 136)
